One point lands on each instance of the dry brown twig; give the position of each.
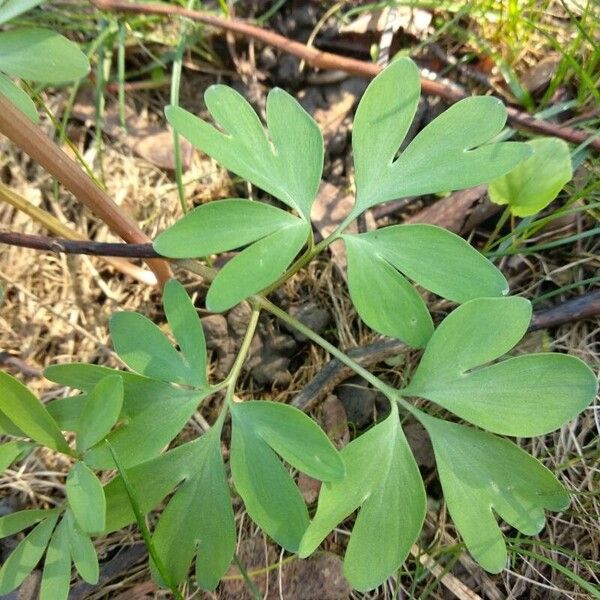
(31, 139)
(328, 60)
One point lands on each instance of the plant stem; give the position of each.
(391, 393)
(315, 337)
(247, 579)
(141, 521)
(234, 374)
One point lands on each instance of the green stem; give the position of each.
(391, 393)
(141, 521)
(234, 374)
(315, 337)
(247, 579)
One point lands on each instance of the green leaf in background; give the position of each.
(383, 481)
(17, 521)
(100, 412)
(83, 553)
(41, 55)
(152, 481)
(396, 309)
(256, 267)
(12, 451)
(26, 555)
(482, 474)
(450, 153)
(201, 231)
(186, 326)
(199, 520)
(20, 99)
(269, 493)
(436, 259)
(56, 576)
(287, 163)
(29, 414)
(523, 396)
(536, 181)
(86, 498)
(9, 9)
(142, 436)
(294, 436)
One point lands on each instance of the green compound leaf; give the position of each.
(41, 55)
(523, 396)
(438, 260)
(100, 412)
(152, 481)
(482, 474)
(451, 153)
(287, 162)
(56, 576)
(29, 415)
(186, 326)
(83, 553)
(199, 520)
(270, 495)
(536, 181)
(142, 436)
(374, 284)
(86, 499)
(294, 436)
(26, 555)
(19, 98)
(17, 521)
(383, 481)
(144, 348)
(13, 451)
(256, 267)
(201, 232)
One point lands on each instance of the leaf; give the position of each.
(145, 349)
(86, 498)
(187, 329)
(29, 414)
(100, 412)
(12, 451)
(536, 181)
(256, 267)
(17, 521)
(201, 231)
(26, 555)
(199, 520)
(152, 481)
(41, 55)
(523, 396)
(56, 576)
(82, 551)
(405, 315)
(287, 166)
(294, 436)
(269, 493)
(449, 154)
(143, 435)
(19, 98)
(383, 481)
(13, 8)
(436, 259)
(481, 473)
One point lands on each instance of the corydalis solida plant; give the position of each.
(133, 415)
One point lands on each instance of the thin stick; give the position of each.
(27, 136)
(329, 60)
